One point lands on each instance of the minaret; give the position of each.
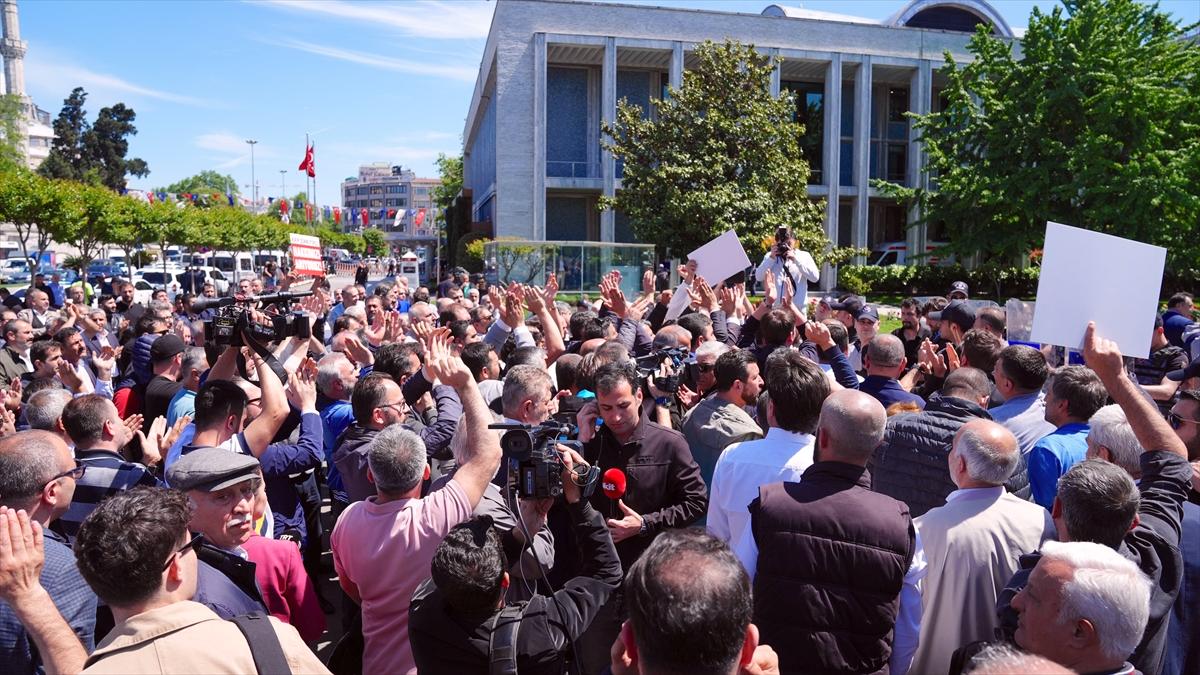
(12, 48)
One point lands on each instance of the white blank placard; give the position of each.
(1090, 276)
(720, 258)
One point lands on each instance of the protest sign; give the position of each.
(720, 258)
(306, 255)
(1090, 276)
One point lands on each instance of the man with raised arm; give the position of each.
(383, 546)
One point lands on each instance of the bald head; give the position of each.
(885, 356)
(851, 427)
(989, 454)
(673, 336)
(589, 346)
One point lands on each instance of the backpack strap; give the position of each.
(264, 643)
(502, 645)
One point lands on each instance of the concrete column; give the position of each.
(776, 72)
(920, 97)
(676, 76)
(862, 154)
(831, 155)
(608, 112)
(539, 136)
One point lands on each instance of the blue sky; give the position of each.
(371, 81)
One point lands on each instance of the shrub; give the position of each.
(991, 281)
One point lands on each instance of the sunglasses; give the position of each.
(195, 543)
(75, 473)
(1177, 422)
(706, 367)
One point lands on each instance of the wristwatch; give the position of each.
(643, 529)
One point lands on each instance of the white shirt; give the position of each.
(744, 467)
(802, 269)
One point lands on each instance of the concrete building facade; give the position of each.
(552, 70)
(382, 189)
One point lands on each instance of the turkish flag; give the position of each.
(337, 215)
(420, 217)
(365, 217)
(308, 211)
(308, 166)
(283, 207)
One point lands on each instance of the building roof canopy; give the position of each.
(953, 15)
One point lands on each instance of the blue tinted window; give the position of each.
(566, 122)
(566, 218)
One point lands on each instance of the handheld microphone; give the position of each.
(613, 483)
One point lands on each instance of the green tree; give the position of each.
(374, 243)
(93, 153)
(12, 132)
(206, 182)
(94, 217)
(450, 170)
(37, 208)
(67, 159)
(1096, 124)
(719, 153)
(131, 219)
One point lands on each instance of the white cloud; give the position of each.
(102, 86)
(231, 150)
(461, 73)
(417, 18)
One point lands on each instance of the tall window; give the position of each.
(810, 111)
(889, 136)
(567, 130)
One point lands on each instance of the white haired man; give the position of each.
(1085, 607)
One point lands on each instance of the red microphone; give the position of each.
(613, 483)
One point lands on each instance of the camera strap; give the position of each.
(263, 353)
(502, 645)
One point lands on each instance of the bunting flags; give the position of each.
(366, 218)
(398, 223)
(337, 216)
(420, 217)
(308, 211)
(308, 166)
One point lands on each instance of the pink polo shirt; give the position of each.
(386, 550)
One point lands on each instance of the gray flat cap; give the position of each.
(211, 469)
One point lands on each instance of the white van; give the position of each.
(233, 265)
(896, 253)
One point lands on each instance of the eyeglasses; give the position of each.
(75, 473)
(400, 406)
(706, 367)
(195, 543)
(1177, 422)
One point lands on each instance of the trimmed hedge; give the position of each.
(986, 281)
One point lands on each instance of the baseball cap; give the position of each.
(165, 347)
(852, 304)
(958, 312)
(827, 300)
(959, 287)
(1187, 372)
(211, 469)
(868, 312)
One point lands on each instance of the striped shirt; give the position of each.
(107, 474)
(1151, 371)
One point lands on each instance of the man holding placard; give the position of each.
(789, 264)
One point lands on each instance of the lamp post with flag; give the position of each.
(253, 183)
(309, 167)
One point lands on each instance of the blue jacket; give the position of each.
(888, 391)
(283, 460)
(1050, 458)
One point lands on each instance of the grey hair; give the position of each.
(27, 460)
(1004, 659)
(45, 408)
(1110, 428)
(397, 460)
(986, 462)
(1099, 501)
(161, 307)
(193, 357)
(886, 351)
(522, 382)
(712, 348)
(329, 371)
(1107, 590)
(356, 311)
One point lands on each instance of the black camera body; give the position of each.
(226, 328)
(533, 463)
(649, 364)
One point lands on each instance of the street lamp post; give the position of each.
(253, 183)
(282, 184)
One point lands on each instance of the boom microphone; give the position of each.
(614, 483)
(202, 304)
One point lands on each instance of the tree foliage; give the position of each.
(39, 209)
(1096, 124)
(12, 132)
(719, 153)
(95, 152)
(205, 182)
(450, 171)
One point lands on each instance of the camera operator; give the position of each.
(459, 621)
(787, 262)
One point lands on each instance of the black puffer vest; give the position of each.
(832, 556)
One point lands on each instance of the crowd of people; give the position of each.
(663, 480)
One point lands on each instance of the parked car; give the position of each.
(65, 276)
(14, 270)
